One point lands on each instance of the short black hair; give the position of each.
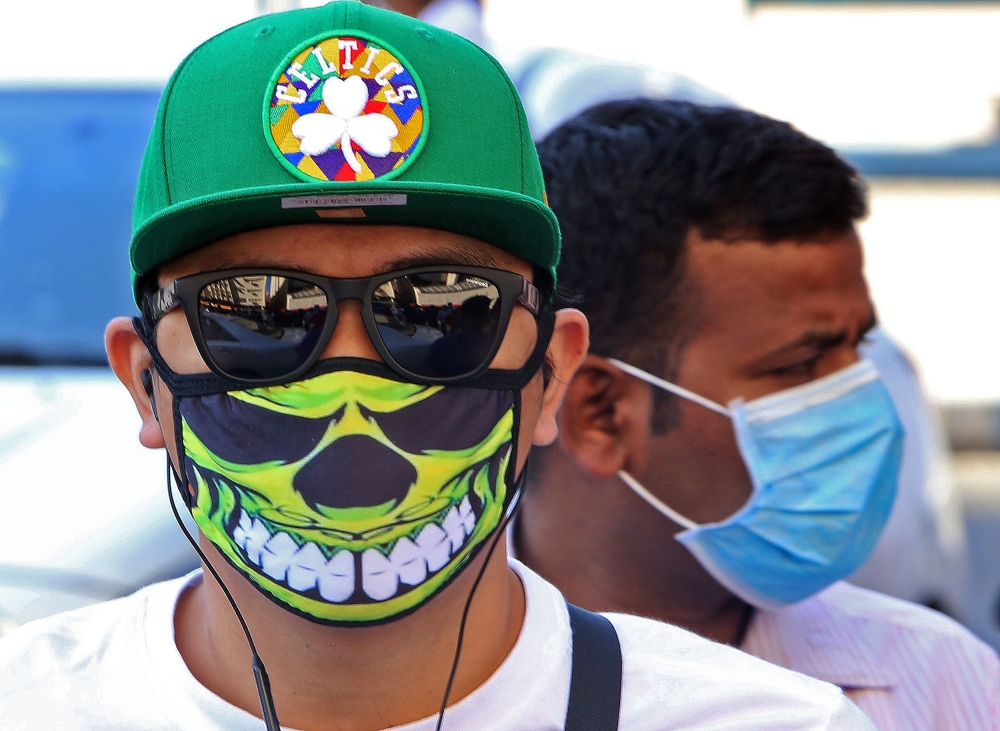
(627, 181)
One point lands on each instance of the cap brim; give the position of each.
(515, 223)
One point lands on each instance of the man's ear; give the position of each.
(130, 359)
(567, 349)
(605, 418)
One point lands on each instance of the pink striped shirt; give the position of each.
(909, 668)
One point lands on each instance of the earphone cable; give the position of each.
(259, 672)
(515, 502)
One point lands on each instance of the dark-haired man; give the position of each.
(724, 457)
(324, 194)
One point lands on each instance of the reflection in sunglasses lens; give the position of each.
(264, 326)
(261, 326)
(439, 324)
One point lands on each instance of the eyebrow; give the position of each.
(449, 255)
(815, 341)
(256, 262)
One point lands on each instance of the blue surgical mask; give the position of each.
(824, 460)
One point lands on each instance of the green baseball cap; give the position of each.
(346, 114)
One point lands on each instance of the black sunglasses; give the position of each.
(429, 324)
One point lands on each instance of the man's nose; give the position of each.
(350, 338)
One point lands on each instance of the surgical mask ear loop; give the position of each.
(673, 388)
(668, 386)
(655, 502)
(259, 673)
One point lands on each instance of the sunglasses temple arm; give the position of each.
(165, 301)
(529, 297)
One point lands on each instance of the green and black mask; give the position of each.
(349, 496)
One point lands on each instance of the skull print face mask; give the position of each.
(350, 496)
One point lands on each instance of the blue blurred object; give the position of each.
(87, 510)
(69, 161)
(961, 161)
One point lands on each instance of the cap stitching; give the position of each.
(168, 140)
(168, 94)
(517, 110)
(167, 103)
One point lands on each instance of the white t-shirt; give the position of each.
(116, 666)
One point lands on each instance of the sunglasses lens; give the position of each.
(439, 324)
(261, 326)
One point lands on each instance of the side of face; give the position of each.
(769, 317)
(363, 409)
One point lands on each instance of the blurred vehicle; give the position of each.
(557, 84)
(85, 509)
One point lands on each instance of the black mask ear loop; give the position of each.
(147, 385)
(259, 672)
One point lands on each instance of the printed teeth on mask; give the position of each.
(305, 568)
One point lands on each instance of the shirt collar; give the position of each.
(818, 638)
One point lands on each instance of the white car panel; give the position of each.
(85, 505)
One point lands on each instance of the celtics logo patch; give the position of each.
(344, 108)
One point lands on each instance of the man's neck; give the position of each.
(609, 551)
(336, 678)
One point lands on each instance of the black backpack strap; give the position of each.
(595, 686)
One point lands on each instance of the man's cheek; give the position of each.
(176, 342)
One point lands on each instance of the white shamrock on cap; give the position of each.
(346, 99)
